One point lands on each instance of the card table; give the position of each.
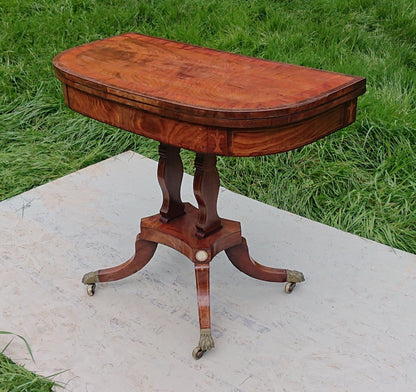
(213, 103)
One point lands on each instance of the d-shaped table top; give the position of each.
(204, 99)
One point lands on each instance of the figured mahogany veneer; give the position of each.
(203, 99)
(213, 103)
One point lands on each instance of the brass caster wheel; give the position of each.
(91, 289)
(289, 287)
(197, 353)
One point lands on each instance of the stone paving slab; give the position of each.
(350, 327)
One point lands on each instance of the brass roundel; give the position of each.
(201, 255)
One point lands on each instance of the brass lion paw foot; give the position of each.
(206, 342)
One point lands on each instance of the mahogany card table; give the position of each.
(213, 103)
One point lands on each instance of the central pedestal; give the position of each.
(198, 233)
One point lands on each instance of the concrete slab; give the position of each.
(349, 327)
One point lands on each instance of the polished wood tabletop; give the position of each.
(242, 106)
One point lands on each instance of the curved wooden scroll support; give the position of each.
(240, 257)
(169, 175)
(206, 342)
(144, 252)
(206, 189)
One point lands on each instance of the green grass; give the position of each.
(361, 179)
(15, 378)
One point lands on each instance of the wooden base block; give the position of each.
(181, 234)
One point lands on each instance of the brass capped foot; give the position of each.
(90, 277)
(292, 278)
(206, 342)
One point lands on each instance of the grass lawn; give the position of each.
(14, 378)
(361, 179)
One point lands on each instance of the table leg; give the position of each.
(143, 254)
(240, 257)
(206, 342)
(169, 174)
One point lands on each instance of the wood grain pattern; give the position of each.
(169, 76)
(283, 117)
(289, 137)
(219, 141)
(165, 130)
(180, 234)
(202, 292)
